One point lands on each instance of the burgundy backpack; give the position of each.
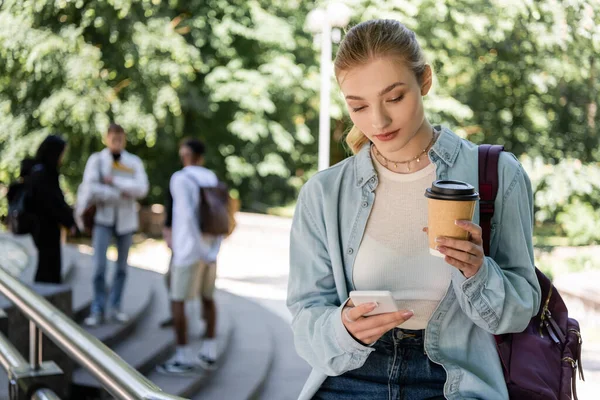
(540, 362)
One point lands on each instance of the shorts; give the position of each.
(191, 281)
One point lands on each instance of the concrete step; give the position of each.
(70, 257)
(137, 298)
(140, 343)
(17, 253)
(288, 371)
(149, 345)
(80, 281)
(248, 359)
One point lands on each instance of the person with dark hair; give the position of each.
(168, 225)
(193, 265)
(48, 207)
(26, 167)
(113, 180)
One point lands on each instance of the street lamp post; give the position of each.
(323, 22)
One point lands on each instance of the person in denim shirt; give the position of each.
(445, 351)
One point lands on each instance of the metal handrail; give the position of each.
(10, 358)
(116, 376)
(44, 394)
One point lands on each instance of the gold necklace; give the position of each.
(416, 158)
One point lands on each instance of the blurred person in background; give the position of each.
(193, 268)
(48, 208)
(114, 180)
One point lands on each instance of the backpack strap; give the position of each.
(196, 181)
(191, 177)
(488, 188)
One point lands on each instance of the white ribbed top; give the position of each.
(394, 253)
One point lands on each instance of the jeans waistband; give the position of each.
(405, 337)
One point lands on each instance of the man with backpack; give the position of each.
(193, 265)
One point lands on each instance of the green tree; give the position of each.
(518, 73)
(241, 75)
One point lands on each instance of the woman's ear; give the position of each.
(426, 80)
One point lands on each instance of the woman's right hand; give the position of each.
(368, 330)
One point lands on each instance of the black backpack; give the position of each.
(20, 220)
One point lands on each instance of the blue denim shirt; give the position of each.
(329, 223)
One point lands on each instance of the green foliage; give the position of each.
(164, 70)
(554, 265)
(519, 73)
(567, 193)
(581, 223)
(244, 76)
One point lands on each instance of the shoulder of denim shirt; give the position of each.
(456, 150)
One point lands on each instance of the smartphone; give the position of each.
(384, 299)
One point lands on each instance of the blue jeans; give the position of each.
(398, 369)
(101, 237)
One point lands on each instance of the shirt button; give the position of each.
(365, 204)
(372, 180)
(360, 180)
(350, 250)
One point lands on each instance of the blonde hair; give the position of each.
(371, 40)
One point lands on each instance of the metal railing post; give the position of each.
(35, 346)
(3, 322)
(22, 378)
(44, 394)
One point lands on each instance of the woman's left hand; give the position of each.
(466, 255)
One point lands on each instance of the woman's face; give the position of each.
(384, 100)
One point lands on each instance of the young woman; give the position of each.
(50, 209)
(360, 226)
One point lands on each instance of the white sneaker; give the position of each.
(118, 316)
(207, 363)
(93, 320)
(176, 368)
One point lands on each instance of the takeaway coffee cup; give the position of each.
(449, 201)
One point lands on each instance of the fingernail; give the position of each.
(439, 239)
(407, 314)
(458, 222)
(373, 305)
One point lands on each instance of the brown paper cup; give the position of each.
(442, 214)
